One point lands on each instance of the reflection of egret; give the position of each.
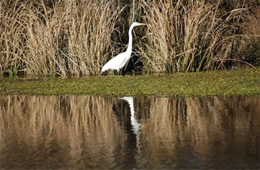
(134, 123)
(121, 59)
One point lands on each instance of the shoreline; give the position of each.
(211, 83)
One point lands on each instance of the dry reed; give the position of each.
(191, 35)
(60, 38)
(42, 37)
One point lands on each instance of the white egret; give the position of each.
(121, 59)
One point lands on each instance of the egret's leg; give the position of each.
(118, 71)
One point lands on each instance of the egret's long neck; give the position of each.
(130, 42)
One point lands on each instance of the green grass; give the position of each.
(234, 82)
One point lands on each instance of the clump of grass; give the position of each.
(191, 35)
(55, 37)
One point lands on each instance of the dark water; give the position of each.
(78, 132)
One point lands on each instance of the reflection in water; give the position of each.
(98, 132)
(134, 122)
(135, 126)
(57, 132)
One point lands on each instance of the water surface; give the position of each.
(76, 132)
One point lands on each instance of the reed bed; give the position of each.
(42, 37)
(56, 38)
(252, 49)
(192, 35)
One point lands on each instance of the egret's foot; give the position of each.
(104, 73)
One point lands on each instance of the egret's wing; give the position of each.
(114, 63)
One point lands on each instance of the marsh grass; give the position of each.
(253, 48)
(63, 38)
(60, 38)
(192, 35)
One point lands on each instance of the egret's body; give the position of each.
(122, 59)
(117, 62)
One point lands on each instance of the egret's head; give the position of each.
(137, 24)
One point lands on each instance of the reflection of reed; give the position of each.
(209, 127)
(225, 121)
(161, 131)
(96, 132)
(79, 125)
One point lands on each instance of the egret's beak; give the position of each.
(139, 23)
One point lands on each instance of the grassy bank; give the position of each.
(234, 82)
(42, 37)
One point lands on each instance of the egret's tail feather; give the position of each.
(104, 68)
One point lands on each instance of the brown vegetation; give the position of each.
(43, 37)
(61, 38)
(194, 35)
